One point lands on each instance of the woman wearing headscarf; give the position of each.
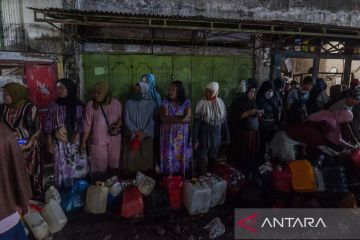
(318, 97)
(63, 127)
(102, 128)
(334, 119)
(175, 145)
(244, 117)
(154, 94)
(140, 123)
(22, 117)
(210, 128)
(270, 121)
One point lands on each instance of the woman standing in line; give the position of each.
(63, 127)
(102, 128)
(175, 145)
(22, 117)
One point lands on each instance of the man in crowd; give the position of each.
(300, 94)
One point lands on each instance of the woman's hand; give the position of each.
(82, 148)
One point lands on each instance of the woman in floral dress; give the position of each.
(63, 127)
(175, 145)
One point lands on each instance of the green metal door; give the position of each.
(201, 74)
(123, 71)
(121, 76)
(96, 68)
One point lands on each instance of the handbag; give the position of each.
(109, 126)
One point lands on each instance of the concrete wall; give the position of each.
(336, 12)
(22, 33)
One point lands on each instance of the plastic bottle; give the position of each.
(320, 185)
(52, 193)
(37, 224)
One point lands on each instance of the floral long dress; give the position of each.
(175, 144)
(24, 121)
(66, 157)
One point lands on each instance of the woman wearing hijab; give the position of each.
(270, 119)
(175, 145)
(318, 97)
(210, 128)
(154, 94)
(102, 127)
(333, 119)
(140, 123)
(245, 128)
(63, 127)
(22, 117)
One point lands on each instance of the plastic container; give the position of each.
(37, 224)
(174, 186)
(145, 184)
(218, 189)
(54, 216)
(132, 203)
(52, 193)
(234, 178)
(196, 197)
(281, 179)
(303, 177)
(96, 198)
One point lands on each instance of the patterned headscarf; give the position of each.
(17, 92)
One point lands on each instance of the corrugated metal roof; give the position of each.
(59, 13)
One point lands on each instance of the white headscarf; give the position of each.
(211, 111)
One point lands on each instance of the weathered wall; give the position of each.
(22, 33)
(342, 13)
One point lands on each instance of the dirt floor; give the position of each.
(84, 226)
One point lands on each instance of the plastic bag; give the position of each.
(216, 228)
(144, 183)
(234, 178)
(132, 202)
(74, 199)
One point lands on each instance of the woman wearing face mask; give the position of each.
(102, 125)
(210, 128)
(22, 117)
(270, 120)
(139, 122)
(63, 127)
(175, 145)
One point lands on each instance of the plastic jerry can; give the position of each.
(218, 188)
(196, 197)
(96, 198)
(37, 224)
(174, 186)
(52, 193)
(54, 216)
(218, 191)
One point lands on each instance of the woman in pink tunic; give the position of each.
(102, 127)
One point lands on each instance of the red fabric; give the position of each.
(281, 179)
(135, 144)
(174, 186)
(132, 202)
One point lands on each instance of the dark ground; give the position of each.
(86, 226)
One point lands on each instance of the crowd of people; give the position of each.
(162, 133)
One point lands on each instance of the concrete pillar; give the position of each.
(262, 62)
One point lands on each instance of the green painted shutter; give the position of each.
(121, 76)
